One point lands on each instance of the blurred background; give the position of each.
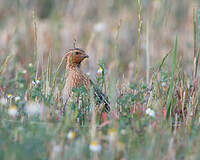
(106, 29)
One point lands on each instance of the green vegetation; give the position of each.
(143, 54)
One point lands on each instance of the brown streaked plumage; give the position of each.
(76, 78)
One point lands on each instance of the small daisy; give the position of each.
(164, 86)
(71, 135)
(150, 112)
(95, 146)
(33, 108)
(17, 98)
(99, 27)
(88, 73)
(12, 111)
(10, 95)
(30, 65)
(24, 71)
(100, 70)
(36, 82)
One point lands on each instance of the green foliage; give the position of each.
(159, 120)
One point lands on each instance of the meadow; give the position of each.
(143, 54)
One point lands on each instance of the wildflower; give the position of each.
(164, 85)
(33, 82)
(95, 146)
(17, 99)
(112, 133)
(10, 95)
(150, 112)
(36, 82)
(88, 73)
(71, 135)
(100, 70)
(99, 27)
(24, 71)
(33, 108)
(30, 65)
(12, 111)
(3, 101)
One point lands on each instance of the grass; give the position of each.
(153, 117)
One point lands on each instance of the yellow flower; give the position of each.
(164, 86)
(12, 111)
(9, 95)
(112, 133)
(100, 70)
(71, 135)
(95, 146)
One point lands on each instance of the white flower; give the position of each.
(150, 112)
(10, 95)
(24, 71)
(17, 99)
(88, 73)
(3, 101)
(36, 82)
(33, 82)
(30, 65)
(100, 70)
(71, 135)
(12, 111)
(95, 146)
(33, 108)
(99, 27)
(164, 84)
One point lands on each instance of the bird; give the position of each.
(75, 77)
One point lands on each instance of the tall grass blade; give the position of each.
(2, 69)
(171, 88)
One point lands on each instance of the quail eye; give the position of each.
(77, 53)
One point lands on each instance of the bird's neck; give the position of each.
(73, 67)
